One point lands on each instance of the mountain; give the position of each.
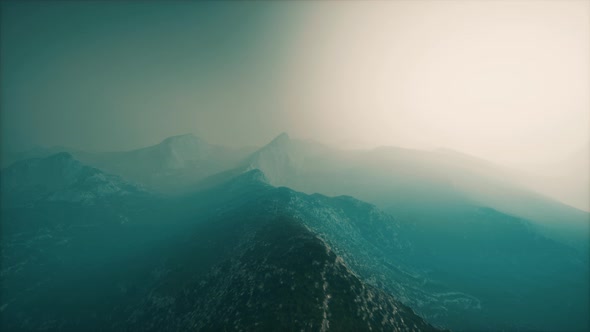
(434, 232)
(479, 246)
(174, 165)
(283, 159)
(416, 183)
(241, 255)
(9, 157)
(61, 178)
(281, 276)
(170, 166)
(467, 273)
(567, 179)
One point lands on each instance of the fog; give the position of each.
(506, 81)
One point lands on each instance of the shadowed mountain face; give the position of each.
(449, 236)
(279, 277)
(237, 256)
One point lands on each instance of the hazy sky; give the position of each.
(505, 80)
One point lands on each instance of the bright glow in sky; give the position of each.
(505, 80)
(508, 81)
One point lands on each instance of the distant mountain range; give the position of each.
(400, 180)
(187, 235)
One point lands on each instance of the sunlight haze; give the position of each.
(507, 81)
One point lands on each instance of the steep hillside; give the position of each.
(232, 257)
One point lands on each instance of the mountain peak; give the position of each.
(60, 177)
(283, 138)
(182, 148)
(247, 178)
(61, 156)
(255, 175)
(184, 138)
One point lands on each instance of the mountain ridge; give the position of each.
(232, 256)
(60, 177)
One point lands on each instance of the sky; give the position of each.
(507, 81)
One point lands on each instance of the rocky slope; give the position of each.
(239, 256)
(61, 178)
